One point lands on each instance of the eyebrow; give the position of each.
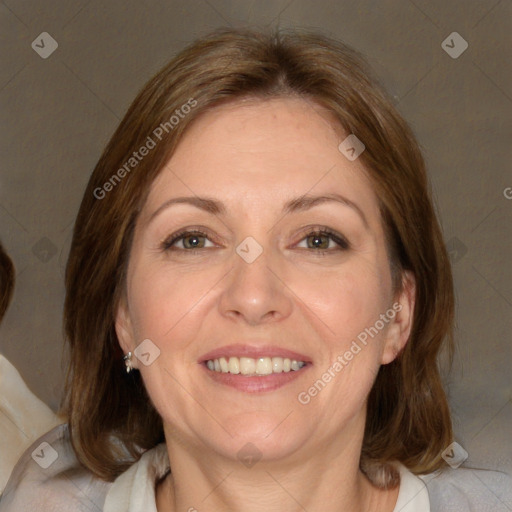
(301, 203)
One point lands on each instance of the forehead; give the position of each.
(254, 149)
(264, 126)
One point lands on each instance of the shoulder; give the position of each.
(48, 477)
(453, 490)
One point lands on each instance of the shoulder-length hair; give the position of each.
(408, 417)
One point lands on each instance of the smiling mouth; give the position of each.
(254, 367)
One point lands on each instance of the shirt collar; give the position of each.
(134, 490)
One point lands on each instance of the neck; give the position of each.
(327, 480)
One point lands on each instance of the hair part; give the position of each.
(408, 417)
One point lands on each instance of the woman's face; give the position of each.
(261, 284)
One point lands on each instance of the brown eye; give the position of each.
(318, 241)
(191, 240)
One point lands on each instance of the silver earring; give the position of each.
(128, 362)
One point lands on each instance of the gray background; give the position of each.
(57, 115)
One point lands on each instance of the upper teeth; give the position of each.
(250, 366)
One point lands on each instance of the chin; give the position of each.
(268, 438)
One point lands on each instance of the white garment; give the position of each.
(134, 490)
(23, 418)
(67, 487)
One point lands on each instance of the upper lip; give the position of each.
(253, 351)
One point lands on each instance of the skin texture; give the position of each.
(254, 156)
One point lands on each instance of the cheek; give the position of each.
(351, 300)
(159, 299)
(352, 305)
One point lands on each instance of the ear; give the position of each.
(124, 328)
(399, 330)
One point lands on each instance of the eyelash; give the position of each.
(342, 243)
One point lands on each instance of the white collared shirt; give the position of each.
(66, 486)
(134, 490)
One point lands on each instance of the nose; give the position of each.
(254, 291)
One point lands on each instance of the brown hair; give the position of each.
(6, 281)
(408, 416)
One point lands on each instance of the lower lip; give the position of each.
(255, 384)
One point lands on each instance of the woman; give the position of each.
(258, 249)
